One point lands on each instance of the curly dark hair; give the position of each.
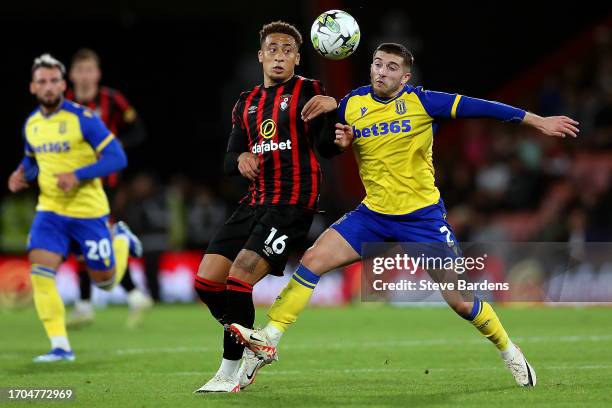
(280, 27)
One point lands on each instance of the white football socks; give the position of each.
(510, 351)
(60, 342)
(229, 368)
(274, 335)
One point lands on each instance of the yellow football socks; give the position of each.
(485, 320)
(121, 247)
(293, 299)
(49, 304)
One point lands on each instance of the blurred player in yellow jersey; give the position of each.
(67, 149)
(393, 125)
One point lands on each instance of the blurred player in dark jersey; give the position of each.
(272, 143)
(121, 119)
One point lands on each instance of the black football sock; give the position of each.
(84, 282)
(127, 283)
(240, 309)
(213, 295)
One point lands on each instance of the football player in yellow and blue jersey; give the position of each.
(393, 124)
(67, 149)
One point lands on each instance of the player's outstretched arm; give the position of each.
(559, 126)
(440, 104)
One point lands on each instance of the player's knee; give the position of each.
(202, 270)
(104, 280)
(244, 266)
(461, 307)
(214, 267)
(316, 259)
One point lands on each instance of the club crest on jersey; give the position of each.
(62, 127)
(285, 99)
(252, 109)
(400, 106)
(267, 129)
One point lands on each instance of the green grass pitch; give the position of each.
(355, 356)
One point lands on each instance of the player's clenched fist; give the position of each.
(248, 165)
(17, 180)
(66, 181)
(344, 136)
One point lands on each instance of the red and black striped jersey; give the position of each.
(112, 107)
(267, 123)
(119, 117)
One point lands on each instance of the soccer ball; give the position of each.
(335, 34)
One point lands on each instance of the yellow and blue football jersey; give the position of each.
(393, 142)
(64, 141)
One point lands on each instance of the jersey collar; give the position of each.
(407, 88)
(286, 83)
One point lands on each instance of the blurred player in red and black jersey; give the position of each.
(121, 119)
(272, 143)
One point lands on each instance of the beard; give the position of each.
(385, 90)
(50, 104)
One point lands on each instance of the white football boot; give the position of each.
(220, 383)
(82, 315)
(139, 303)
(57, 354)
(523, 373)
(255, 340)
(249, 367)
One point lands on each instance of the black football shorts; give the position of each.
(270, 231)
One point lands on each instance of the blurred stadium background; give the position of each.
(183, 64)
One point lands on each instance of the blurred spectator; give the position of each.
(205, 215)
(16, 218)
(146, 211)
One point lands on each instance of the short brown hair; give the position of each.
(85, 54)
(280, 27)
(397, 49)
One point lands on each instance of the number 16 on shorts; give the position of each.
(275, 244)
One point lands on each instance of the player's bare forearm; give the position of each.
(318, 105)
(559, 126)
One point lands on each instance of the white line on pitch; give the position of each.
(361, 345)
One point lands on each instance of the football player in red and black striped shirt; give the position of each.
(121, 119)
(272, 143)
